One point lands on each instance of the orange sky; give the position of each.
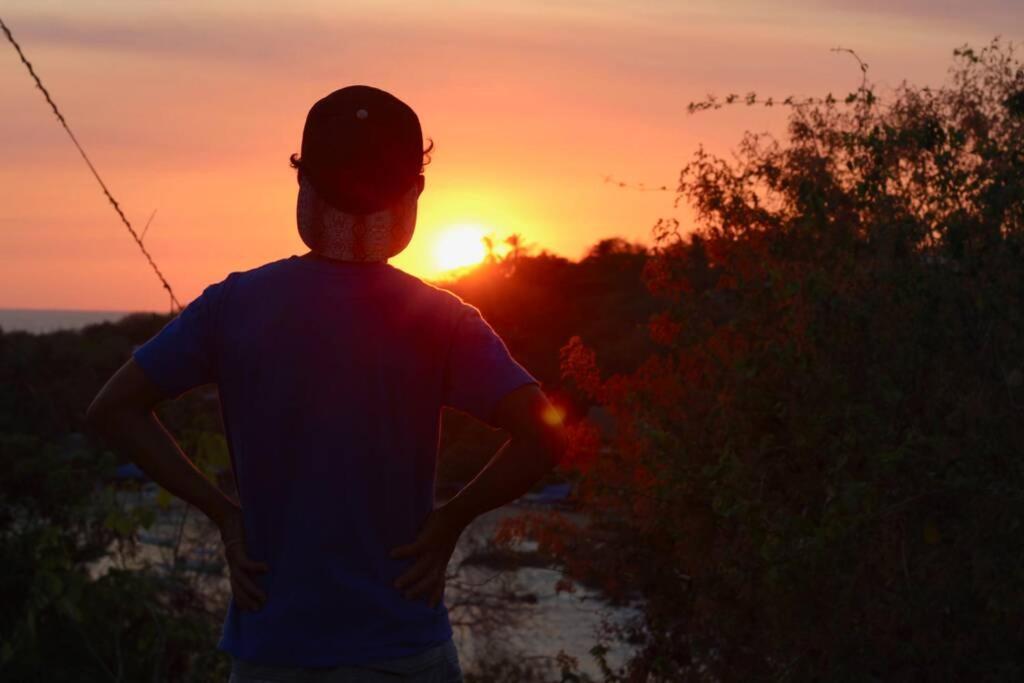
(192, 108)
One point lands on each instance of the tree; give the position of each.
(818, 475)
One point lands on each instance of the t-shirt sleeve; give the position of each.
(182, 355)
(480, 370)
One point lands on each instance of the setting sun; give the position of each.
(460, 246)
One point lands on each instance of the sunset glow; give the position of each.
(460, 246)
(537, 116)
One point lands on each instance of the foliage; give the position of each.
(818, 475)
(536, 302)
(507, 669)
(78, 604)
(73, 609)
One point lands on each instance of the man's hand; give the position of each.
(433, 549)
(241, 569)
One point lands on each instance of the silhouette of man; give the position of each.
(332, 368)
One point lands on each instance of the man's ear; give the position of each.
(420, 181)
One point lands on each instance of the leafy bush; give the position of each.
(77, 605)
(819, 474)
(73, 610)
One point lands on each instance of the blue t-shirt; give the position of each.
(332, 376)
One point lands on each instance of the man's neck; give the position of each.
(314, 256)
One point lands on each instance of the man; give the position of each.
(332, 368)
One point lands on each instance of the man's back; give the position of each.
(332, 376)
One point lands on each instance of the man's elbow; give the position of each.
(530, 418)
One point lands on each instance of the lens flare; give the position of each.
(553, 415)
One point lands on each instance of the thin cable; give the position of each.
(175, 304)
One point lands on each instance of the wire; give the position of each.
(175, 304)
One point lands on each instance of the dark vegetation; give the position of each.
(819, 474)
(60, 522)
(815, 469)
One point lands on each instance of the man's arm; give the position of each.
(535, 446)
(122, 413)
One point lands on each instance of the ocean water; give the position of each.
(39, 320)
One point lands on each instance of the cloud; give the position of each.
(244, 38)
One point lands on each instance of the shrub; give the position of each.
(818, 476)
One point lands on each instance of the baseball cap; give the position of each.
(362, 148)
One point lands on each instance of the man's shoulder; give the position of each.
(259, 276)
(429, 292)
(270, 268)
(215, 293)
